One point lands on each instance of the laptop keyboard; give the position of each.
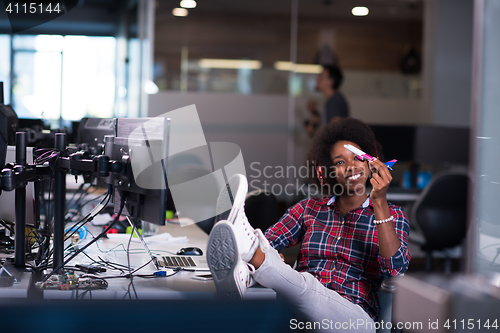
(178, 261)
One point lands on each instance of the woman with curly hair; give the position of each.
(350, 241)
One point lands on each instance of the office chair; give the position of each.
(261, 208)
(385, 294)
(440, 213)
(183, 174)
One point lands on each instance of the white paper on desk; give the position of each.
(156, 239)
(183, 221)
(101, 219)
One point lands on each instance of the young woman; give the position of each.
(350, 241)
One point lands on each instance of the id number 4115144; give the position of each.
(33, 8)
(471, 324)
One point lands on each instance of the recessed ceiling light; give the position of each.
(188, 4)
(180, 12)
(360, 11)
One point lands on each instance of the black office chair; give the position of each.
(440, 213)
(261, 208)
(186, 172)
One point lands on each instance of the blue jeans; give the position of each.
(324, 309)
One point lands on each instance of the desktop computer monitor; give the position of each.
(8, 200)
(442, 145)
(8, 128)
(90, 137)
(91, 133)
(397, 141)
(142, 145)
(424, 144)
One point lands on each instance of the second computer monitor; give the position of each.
(8, 198)
(142, 146)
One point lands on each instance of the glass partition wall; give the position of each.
(269, 54)
(484, 224)
(245, 48)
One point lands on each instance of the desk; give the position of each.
(178, 286)
(402, 195)
(175, 304)
(428, 302)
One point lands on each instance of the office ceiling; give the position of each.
(335, 9)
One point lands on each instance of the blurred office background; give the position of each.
(408, 64)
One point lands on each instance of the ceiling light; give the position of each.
(360, 11)
(297, 68)
(180, 12)
(229, 63)
(188, 4)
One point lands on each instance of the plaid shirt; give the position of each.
(342, 253)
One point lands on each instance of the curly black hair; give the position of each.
(345, 129)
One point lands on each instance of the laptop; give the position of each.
(187, 263)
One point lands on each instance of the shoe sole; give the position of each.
(222, 257)
(233, 196)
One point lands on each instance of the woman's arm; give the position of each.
(388, 240)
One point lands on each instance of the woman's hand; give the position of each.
(381, 179)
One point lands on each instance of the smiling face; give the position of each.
(350, 172)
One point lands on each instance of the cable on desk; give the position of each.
(80, 188)
(51, 158)
(96, 198)
(128, 248)
(83, 195)
(113, 249)
(122, 204)
(89, 217)
(7, 225)
(112, 265)
(164, 273)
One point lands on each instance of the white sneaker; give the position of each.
(232, 197)
(231, 207)
(231, 274)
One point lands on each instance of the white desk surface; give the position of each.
(178, 286)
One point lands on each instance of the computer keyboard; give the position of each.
(178, 261)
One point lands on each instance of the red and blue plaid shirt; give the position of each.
(342, 252)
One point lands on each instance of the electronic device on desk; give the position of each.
(190, 251)
(435, 146)
(38, 134)
(90, 138)
(91, 133)
(8, 127)
(442, 145)
(8, 200)
(142, 145)
(70, 281)
(396, 141)
(193, 262)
